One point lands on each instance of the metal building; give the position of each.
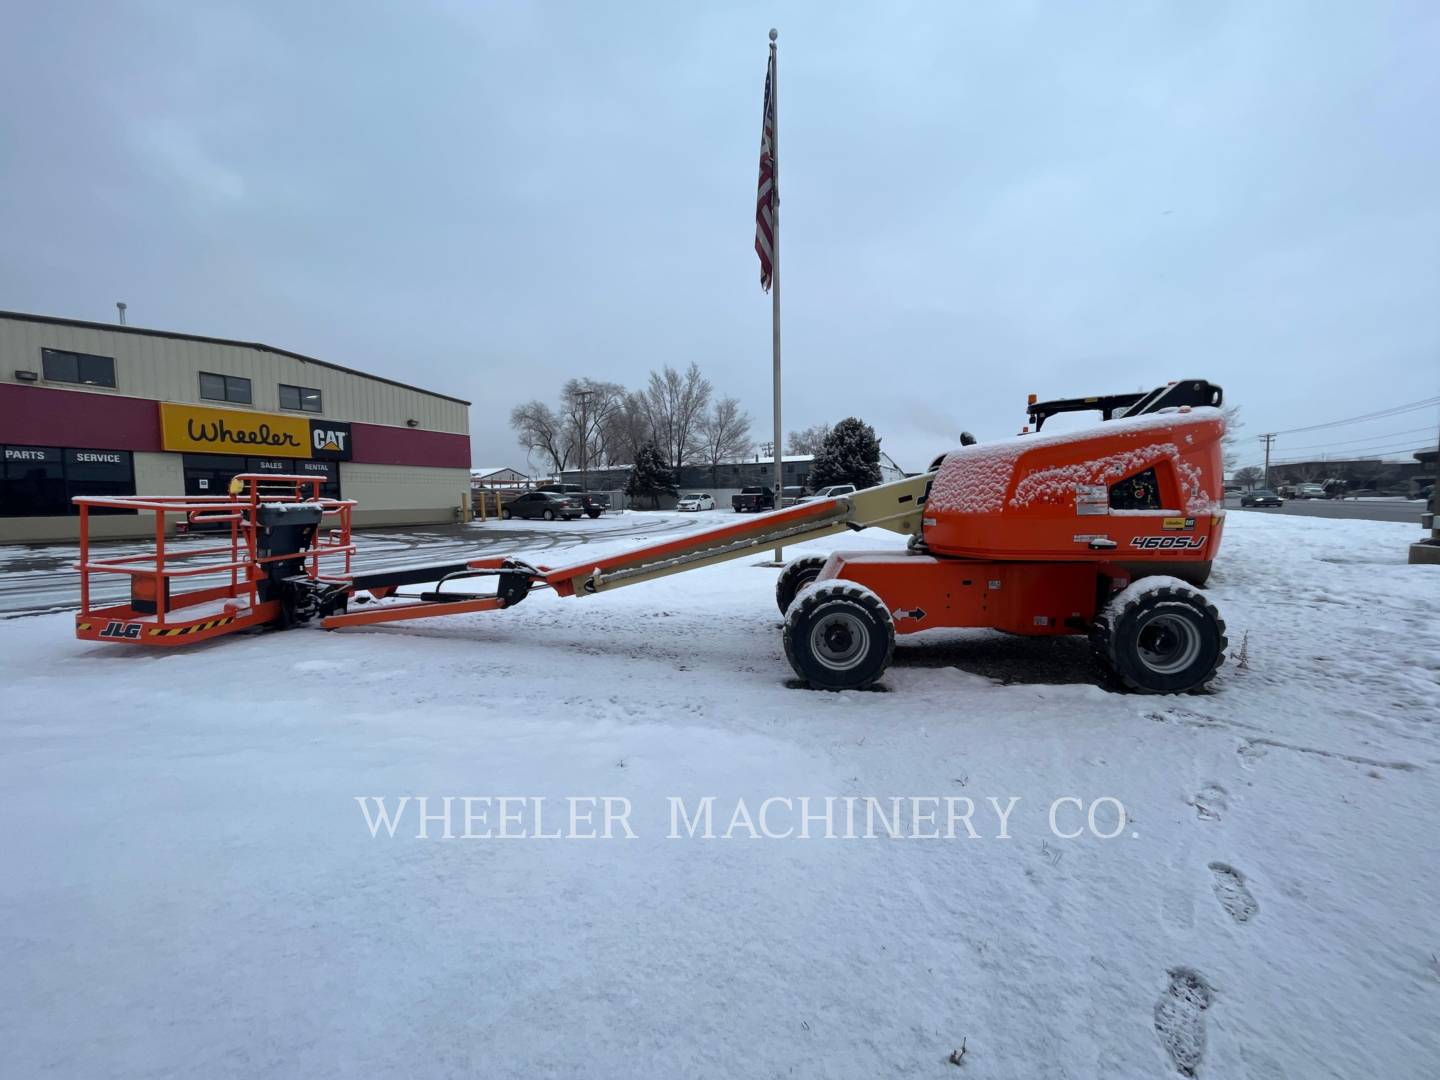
(94, 408)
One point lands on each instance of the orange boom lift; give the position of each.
(1108, 532)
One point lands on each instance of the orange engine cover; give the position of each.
(1139, 492)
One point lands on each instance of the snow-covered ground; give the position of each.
(190, 888)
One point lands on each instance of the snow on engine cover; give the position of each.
(1141, 491)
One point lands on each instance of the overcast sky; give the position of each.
(979, 200)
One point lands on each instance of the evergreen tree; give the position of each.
(850, 454)
(651, 477)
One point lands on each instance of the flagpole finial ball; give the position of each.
(773, 34)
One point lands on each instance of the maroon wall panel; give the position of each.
(376, 444)
(38, 416)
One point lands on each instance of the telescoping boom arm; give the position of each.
(897, 506)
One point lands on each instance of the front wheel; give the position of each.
(1160, 636)
(797, 574)
(838, 636)
(505, 514)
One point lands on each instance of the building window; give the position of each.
(81, 368)
(224, 388)
(40, 481)
(301, 398)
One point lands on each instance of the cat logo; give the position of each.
(1171, 524)
(330, 440)
(327, 439)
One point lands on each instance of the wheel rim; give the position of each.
(1168, 644)
(839, 640)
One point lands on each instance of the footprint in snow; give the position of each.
(1180, 1018)
(1231, 891)
(1250, 753)
(1209, 802)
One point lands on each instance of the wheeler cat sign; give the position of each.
(202, 429)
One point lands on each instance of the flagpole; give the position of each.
(775, 278)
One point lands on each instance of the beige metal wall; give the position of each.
(402, 494)
(168, 369)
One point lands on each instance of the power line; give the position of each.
(1364, 438)
(1336, 459)
(1394, 410)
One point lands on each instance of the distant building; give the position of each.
(498, 478)
(1352, 473)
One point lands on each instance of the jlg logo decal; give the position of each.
(1150, 542)
(123, 630)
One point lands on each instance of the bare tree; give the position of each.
(585, 408)
(1230, 442)
(724, 435)
(807, 441)
(627, 429)
(1250, 475)
(542, 431)
(675, 404)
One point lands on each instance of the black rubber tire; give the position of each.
(797, 574)
(862, 625)
(592, 514)
(505, 514)
(1164, 617)
(549, 515)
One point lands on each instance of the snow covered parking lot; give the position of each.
(192, 889)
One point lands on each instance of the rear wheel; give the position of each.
(549, 515)
(592, 513)
(838, 636)
(1164, 638)
(797, 574)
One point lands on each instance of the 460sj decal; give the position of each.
(1150, 542)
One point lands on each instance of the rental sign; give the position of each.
(200, 429)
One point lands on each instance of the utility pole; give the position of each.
(584, 396)
(1267, 439)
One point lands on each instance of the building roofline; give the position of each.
(116, 328)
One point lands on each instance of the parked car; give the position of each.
(543, 504)
(753, 500)
(789, 496)
(696, 501)
(1309, 491)
(1261, 497)
(834, 491)
(594, 505)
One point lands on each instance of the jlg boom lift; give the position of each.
(1108, 532)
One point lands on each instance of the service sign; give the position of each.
(206, 430)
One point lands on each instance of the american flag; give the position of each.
(767, 198)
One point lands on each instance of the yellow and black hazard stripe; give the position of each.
(179, 631)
